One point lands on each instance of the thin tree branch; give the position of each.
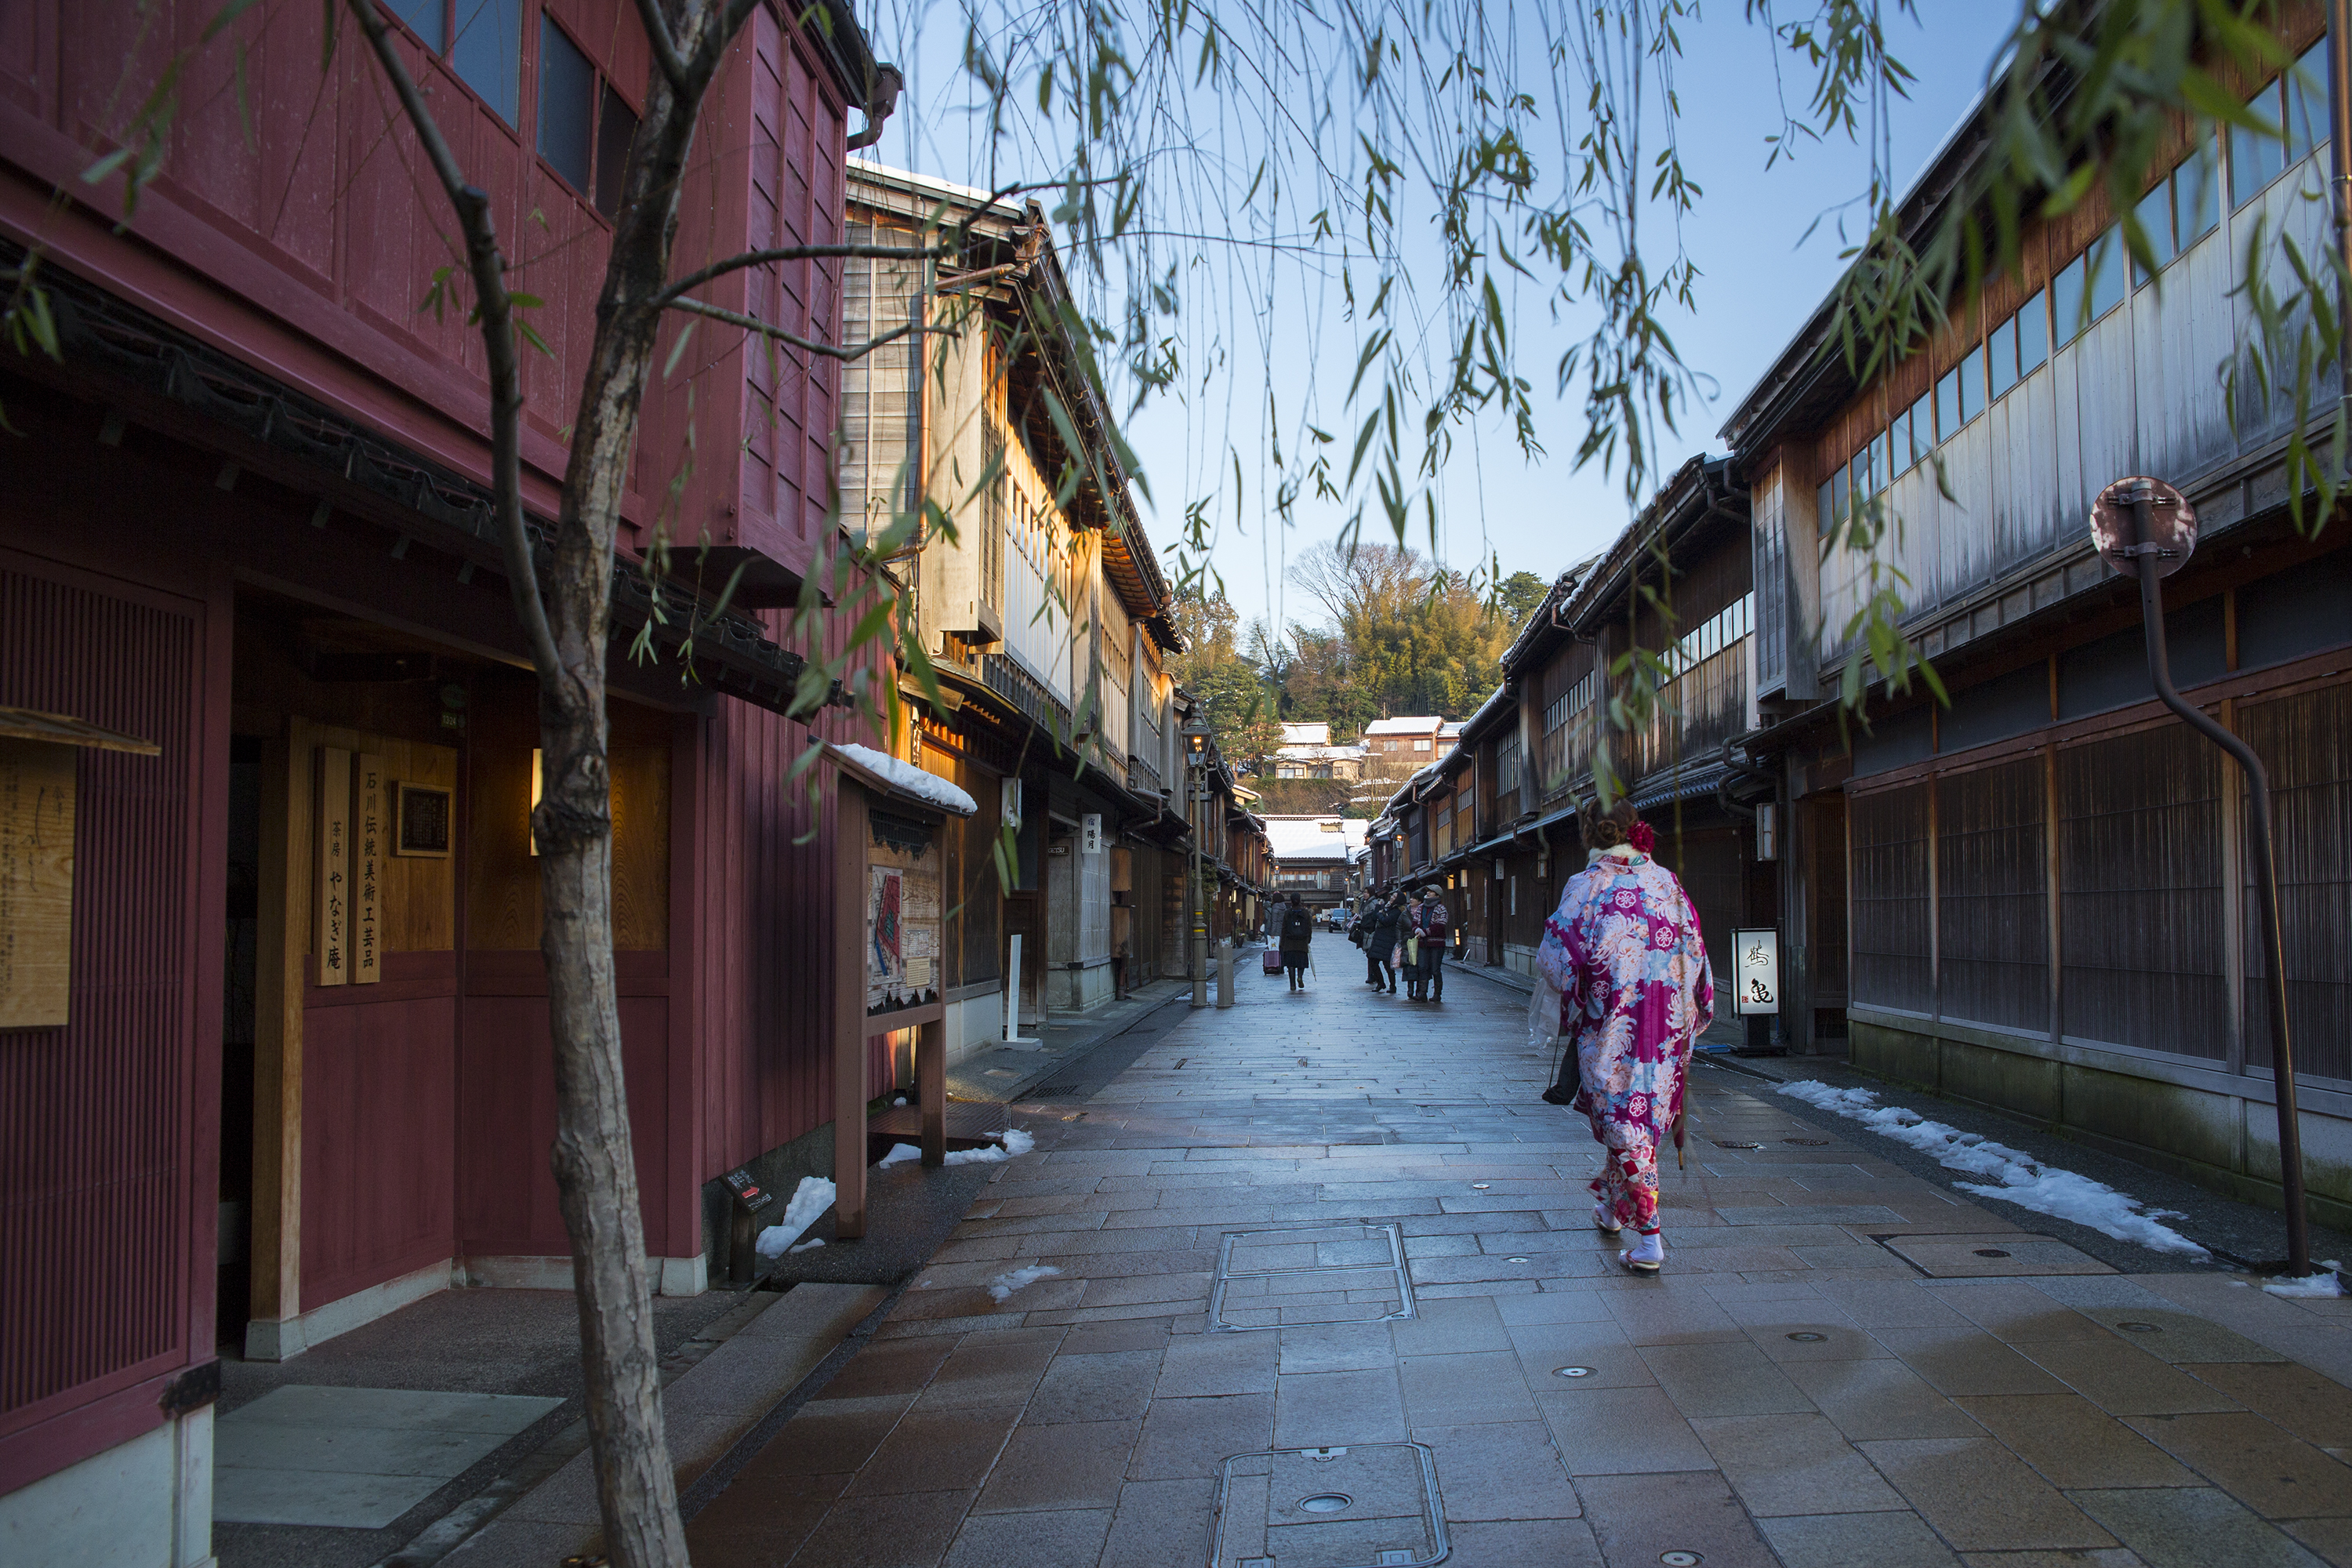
(694, 280)
(830, 351)
(488, 267)
(665, 47)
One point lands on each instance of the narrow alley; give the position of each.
(1312, 1283)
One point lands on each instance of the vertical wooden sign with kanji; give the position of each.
(368, 849)
(332, 945)
(36, 876)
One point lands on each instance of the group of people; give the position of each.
(1404, 934)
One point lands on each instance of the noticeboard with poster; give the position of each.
(902, 925)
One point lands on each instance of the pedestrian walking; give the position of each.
(1297, 931)
(1380, 945)
(1624, 951)
(1431, 930)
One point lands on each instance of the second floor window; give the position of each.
(584, 128)
(482, 40)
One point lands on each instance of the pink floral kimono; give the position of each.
(1624, 951)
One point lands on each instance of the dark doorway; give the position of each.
(239, 958)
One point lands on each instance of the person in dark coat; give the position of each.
(1380, 944)
(1433, 929)
(1297, 931)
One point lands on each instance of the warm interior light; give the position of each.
(530, 831)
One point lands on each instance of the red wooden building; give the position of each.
(247, 524)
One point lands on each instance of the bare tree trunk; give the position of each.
(568, 633)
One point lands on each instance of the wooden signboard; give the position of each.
(332, 841)
(39, 761)
(368, 830)
(36, 838)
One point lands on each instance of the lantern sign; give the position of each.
(1756, 972)
(1091, 833)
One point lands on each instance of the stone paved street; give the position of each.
(1843, 1364)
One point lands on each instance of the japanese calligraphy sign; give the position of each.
(331, 885)
(369, 798)
(1756, 972)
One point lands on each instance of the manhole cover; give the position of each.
(1808, 1338)
(1727, 1143)
(1809, 1142)
(1367, 1505)
(1572, 1372)
(1681, 1559)
(1991, 1252)
(1291, 1276)
(2139, 1327)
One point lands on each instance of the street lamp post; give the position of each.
(2146, 528)
(1196, 755)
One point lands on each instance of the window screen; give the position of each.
(487, 52)
(567, 104)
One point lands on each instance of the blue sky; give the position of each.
(1761, 275)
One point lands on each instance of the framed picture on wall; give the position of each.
(424, 821)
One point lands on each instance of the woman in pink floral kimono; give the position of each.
(1625, 953)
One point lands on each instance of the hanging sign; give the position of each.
(1091, 833)
(332, 943)
(1756, 972)
(367, 861)
(36, 876)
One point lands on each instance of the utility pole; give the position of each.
(2339, 184)
(1196, 756)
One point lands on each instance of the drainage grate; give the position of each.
(1371, 1505)
(1293, 1276)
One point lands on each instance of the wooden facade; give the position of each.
(2036, 897)
(249, 525)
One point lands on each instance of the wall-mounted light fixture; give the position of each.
(529, 826)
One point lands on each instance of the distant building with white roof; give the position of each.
(1319, 857)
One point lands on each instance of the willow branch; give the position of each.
(694, 280)
(487, 268)
(830, 351)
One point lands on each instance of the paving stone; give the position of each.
(2075, 1443)
(1548, 1544)
(1319, 1409)
(1981, 1498)
(2192, 1527)
(1879, 1540)
(1723, 1379)
(1499, 1470)
(2124, 1380)
(1637, 1518)
(2314, 1408)
(2268, 1468)
(1065, 1538)
(1158, 1520)
(1620, 1432)
(1458, 1390)
(1184, 1437)
(911, 1531)
(1077, 1465)
(1111, 1386)
(1794, 1464)
(1870, 1400)
(934, 1450)
(1969, 1361)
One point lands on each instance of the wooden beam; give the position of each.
(931, 1089)
(282, 956)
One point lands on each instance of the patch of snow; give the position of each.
(898, 1155)
(2016, 1177)
(1003, 1285)
(924, 786)
(809, 1202)
(813, 1241)
(901, 1101)
(1013, 1140)
(2325, 1285)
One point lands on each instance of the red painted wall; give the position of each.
(108, 1125)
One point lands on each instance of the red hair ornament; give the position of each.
(1643, 838)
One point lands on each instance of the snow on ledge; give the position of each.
(914, 781)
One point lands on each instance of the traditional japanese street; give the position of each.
(1225, 1353)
